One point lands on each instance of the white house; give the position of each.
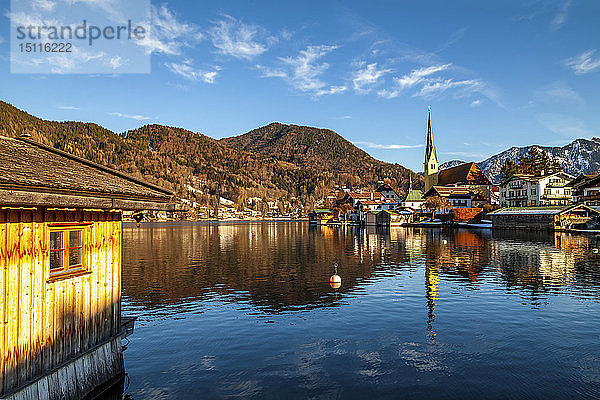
(530, 191)
(389, 193)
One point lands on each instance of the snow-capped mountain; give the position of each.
(579, 156)
(450, 164)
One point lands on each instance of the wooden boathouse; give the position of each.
(60, 270)
(543, 218)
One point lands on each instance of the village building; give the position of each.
(388, 192)
(550, 218)
(370, 217)
(458, 197)
(394, 217)
(522, 190)
(586, 189)
(414, 198)
(60, 270)
(362, 202)
(373, 206)
(321, 216)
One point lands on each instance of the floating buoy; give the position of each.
(335, 281)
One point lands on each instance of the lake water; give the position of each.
(245, 310)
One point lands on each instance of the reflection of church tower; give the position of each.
(430, 166)
(431, 293)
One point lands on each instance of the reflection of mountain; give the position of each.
(275, 265)
(286, 266)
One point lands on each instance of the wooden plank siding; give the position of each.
(47, 321)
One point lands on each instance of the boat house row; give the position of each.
(60, 270)
(554, 218)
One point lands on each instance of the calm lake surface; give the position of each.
(245, 310)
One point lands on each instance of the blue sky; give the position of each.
(496, 74)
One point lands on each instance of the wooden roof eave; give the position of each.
(21, 198)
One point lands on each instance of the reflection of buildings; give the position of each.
(286, 266)
(551, 259)
(276, 265)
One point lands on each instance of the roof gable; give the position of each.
(414, 195)
(451, 191)
(466, 174)
(28, 166)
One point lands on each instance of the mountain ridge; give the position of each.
(579, 156)
(203, 169)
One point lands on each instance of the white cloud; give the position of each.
(234, 38)
(137, 117)
(561, 16)
(304, 72)
(476, 103)
(187, 71)
(419, 75)
(116, 62)
(286, 35)
(388, 94)
(43, 5)
(388, 146)
(584, 63)
(70, 108)
(432, 88)
(367, 76)
(62, 63)
(167, 34)
(331, 90)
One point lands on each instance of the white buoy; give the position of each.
(335, 281)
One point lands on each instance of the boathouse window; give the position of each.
(66, 247)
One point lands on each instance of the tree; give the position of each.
(435, 203)
(508, 169)
(535, 162)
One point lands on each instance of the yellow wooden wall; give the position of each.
(45, 323)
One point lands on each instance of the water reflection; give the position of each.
(285, 266)
(246, 310)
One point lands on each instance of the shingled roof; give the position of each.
(442, 191)
(465, 174)
(32, 174)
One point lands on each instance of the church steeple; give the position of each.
(430, 166)
(430, 149)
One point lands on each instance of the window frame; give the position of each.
(67, 270)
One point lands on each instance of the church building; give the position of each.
(466, 177)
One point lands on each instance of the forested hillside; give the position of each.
(299, 166)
